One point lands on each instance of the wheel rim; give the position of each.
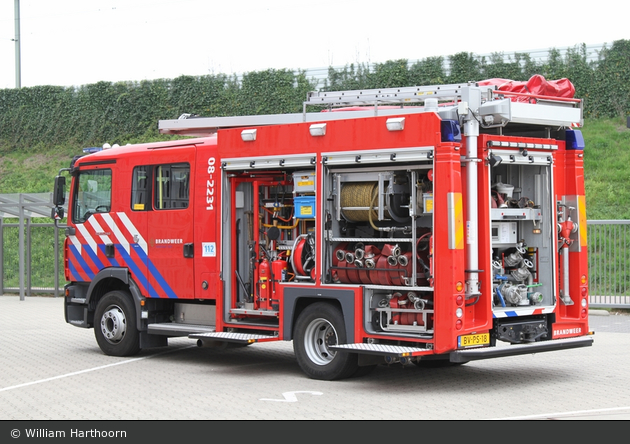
(113, 324)
(320, 334)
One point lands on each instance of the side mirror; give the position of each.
(57, 213)
(59, 192)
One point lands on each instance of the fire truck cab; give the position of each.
(430, 225)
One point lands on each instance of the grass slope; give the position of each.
(607, 169)
(606, 165)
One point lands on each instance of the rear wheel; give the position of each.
(318, 327)
(115, 325)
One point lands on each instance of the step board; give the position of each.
(398, 351)
(237, 338)
(178, 329)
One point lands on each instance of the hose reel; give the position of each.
(360, 203)
(359, 195)
(303, 256)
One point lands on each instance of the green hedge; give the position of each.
(104, 111)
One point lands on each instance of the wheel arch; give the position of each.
(110, 279)
(296, 299)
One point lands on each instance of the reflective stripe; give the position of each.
(130, 245)
(87, 236)
(117, 233)
(113, 262)
(98, 229)
(521, 311)
(75, 255)
(455, 222)
(135, 270)
(93, 254)
(76, 243)
(74, 274)
(133, 231)
(582, 220)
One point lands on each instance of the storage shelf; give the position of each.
(516, 213)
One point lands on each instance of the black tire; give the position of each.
(319, 326)
(115, 325)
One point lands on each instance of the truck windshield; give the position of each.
(92, 194)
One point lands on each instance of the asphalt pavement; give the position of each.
(51, 370)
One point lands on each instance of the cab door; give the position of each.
(207, 213)
(170, 266)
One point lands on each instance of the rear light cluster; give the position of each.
(459, 312)
(584, 294)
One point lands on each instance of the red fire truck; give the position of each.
(431, 225)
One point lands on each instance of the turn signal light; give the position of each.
(459, 286)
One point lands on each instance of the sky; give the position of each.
(79, 42)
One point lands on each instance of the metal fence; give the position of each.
(29, 238)
(39, 243)
(608, 258)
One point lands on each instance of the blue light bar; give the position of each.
(450, 131)
(92, 149)
(575, 140)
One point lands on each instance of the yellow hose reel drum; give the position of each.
(359, 202)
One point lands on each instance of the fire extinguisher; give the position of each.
(279, 273)
(264, 285)
(279, 270)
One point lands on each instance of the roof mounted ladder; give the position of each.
(485, 103)
(406, 95)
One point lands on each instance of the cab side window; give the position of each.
(172, 186)
(141, 188)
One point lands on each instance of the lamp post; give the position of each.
(18, 75)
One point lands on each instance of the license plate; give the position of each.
(472, 340)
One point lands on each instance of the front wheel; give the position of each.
(318, 327)
(115, 325)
